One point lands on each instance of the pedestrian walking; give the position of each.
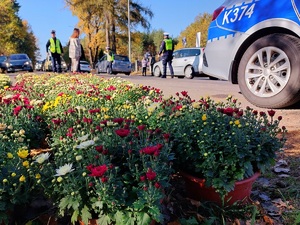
(55, 47)
(110, 59)
(75, 50)
(166, 50)
(144, 66)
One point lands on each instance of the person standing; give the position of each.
(55, 47)
(110, 59)
(75, 50)
(166, 49)
(144, 66)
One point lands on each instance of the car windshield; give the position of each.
(2, 58)
(18, 57)
(84, 62)
(121, 58)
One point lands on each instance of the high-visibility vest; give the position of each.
(110, 56)
(55, 47)
(169, 44)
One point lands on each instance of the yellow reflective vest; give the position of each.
(55, 46)
(169, 44)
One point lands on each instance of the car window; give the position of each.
(121, 58)
(103, 58)
(193, 52)
(18, 57)
(84, 63)
(176, 54)
(2, 58)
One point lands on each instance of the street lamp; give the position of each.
(129, 41)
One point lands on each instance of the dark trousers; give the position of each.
(165, 61)
(56, 62)
(144, 71)
(109, 67)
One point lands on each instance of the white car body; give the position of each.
(186, 62)
(84, 66)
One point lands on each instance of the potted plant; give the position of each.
(21, 128)
(219, 142)
(117, 174)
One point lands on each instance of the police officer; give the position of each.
(56, 50)
(110, 58)
(167, 48)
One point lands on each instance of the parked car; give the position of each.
(84, 66)
(2, 58)
(47, 65)
(16, 62)
(256, 44)
(121, 64)
(38, 65)
(187, 62)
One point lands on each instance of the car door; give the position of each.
(176, 62)
(103, 64)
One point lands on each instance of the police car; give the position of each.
(256, 43)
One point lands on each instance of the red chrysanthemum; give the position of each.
(151, 175)
(122, 132)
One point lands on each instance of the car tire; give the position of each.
(156, 71)
(269, 71)
(127, 74)
(189, 72)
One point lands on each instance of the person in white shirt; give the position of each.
(75, 50)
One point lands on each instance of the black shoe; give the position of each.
(163, 77)
(172, 76)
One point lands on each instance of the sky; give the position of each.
(172, 16)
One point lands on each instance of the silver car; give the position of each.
(121, 64)
(187, 62)
(84, 66)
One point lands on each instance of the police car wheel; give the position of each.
(157, 72)
(189, 72)
(269, 71)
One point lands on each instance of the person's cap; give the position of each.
(52, 31)
(166, 34)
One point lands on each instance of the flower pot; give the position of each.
(196, 189)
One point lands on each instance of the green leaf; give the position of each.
(85, 214)
(143, 218)
(104, 220)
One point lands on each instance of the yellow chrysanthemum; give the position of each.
(10, 155)
(25, 164)
(204, 117)
(38, 176)
(22, 178)
(237, 122)
(2, 126)
(22, 153)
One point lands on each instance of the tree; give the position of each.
(16, 35)
(107, 20)
(200, 24)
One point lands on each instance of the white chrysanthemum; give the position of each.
(85, 144)
(63, 170)
(41, 158)
(83, 138)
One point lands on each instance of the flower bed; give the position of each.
(112, 144)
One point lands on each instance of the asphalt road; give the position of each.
(203, 87)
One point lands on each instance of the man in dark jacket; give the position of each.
(167, 48)
(55, 47)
